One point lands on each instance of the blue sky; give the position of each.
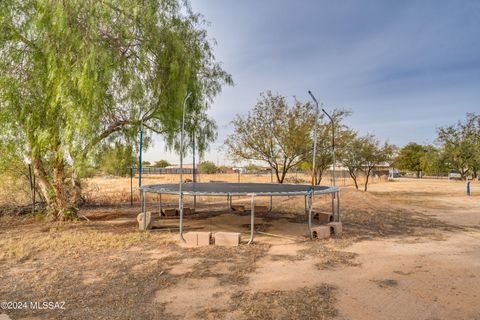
(404, 68)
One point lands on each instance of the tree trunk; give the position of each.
(318, 177)
(61, 200)
(354, 177)
(277, 174)
(367, 176)
(78, 200)
(41, 177)
(284, 173)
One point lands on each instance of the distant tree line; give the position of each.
(456, 149)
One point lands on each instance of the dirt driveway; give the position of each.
(410, 250)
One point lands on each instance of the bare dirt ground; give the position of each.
(410, 250)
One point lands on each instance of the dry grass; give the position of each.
(69, 243)
(242, 261)
(326, 254)
(105, 269)
(306, 303)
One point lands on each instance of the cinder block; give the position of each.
(141, 222)
(170, 212)
(335, 228)
(238, 208)
(197, 239)
(228, 239)
(261, 209)
(186, 211)
(321, 232)
(204, 238)
(323, 217)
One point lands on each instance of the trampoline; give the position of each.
(252, 190)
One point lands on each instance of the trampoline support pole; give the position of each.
(181, 217)
(310, 199)
(338, 206)
(252, 220)
(144, 209)
(271, 204)
(305, 203)
(159, 204)
(333, 204)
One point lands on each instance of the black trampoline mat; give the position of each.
(223, 188)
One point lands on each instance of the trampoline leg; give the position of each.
(230, 202)
(338, 206)
(310, 199)
(333, 204)
(144, 209)
(194, 202)
(252, 220)
(159, 204)
(271, 204)
(305, 202)
(180, 208)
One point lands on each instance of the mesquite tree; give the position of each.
(460, 144)
(273, 132)
(410, 158)
(361, 154)
(76, 74)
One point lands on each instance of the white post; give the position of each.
(313, 165)
(180, 200)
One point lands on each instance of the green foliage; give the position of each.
(433, 162)
(146, 163)
(200, 131)
(161, 164)
(78, 74)
(458, 150)
(207, 167)
(116, 160)
(252, 167)
(223, 169)
(460, 145)
(410, 158)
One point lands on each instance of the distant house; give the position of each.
(380, 169)
(177, 166)
(239, 169)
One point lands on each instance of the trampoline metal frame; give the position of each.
(334, 191)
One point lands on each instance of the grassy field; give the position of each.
(410, 250)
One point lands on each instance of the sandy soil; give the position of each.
(410, 250)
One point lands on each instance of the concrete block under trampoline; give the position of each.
(252, 190)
